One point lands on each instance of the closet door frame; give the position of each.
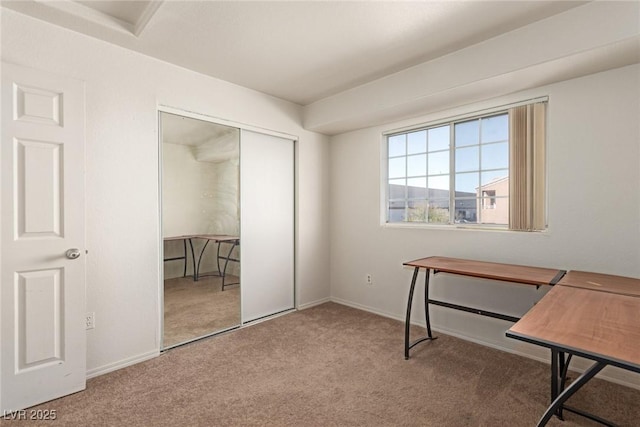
(162, 108)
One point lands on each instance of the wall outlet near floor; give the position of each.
(369, 279)
(90, 320)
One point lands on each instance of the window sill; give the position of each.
(457, 227)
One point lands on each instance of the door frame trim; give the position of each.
(220, 121)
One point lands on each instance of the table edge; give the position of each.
(558, 276)
(596, 357)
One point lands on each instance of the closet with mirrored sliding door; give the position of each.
(227, 214)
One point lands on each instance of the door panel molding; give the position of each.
(42, 291)
(38, 179)
(39, 308)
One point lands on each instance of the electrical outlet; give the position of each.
(90, 320)
(369, 279)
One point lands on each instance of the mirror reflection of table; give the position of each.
(184, 256)
(226, 256)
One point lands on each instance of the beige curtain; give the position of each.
(527, 186)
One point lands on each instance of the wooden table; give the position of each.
(591, 315)
(485, 270)
(234, 241)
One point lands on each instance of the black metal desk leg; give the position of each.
(564, 371)
(218, 258)
(557, 365)
(562, 376)
(569, 391)
(554, 374)
(223, 273)
(407, 322)
(184, 245)
(200, 259)
(426, 304)
(408, 345)
(193, 259)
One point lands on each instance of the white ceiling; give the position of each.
(301, 51)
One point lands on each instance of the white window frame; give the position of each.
(451, 121)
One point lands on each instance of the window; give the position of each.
(483, 170)
(488, 199)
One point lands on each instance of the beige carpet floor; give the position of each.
(194, 309)
(331, 365)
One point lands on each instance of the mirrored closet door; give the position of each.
(200, 228)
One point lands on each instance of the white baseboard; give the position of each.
(611, 374)
(367, 308)
(313, 303)
(95, 372)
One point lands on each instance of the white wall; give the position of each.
(123, 91)
(594, 213)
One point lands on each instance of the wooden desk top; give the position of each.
(602, 282)
(489, 270)
(216, 237)
(597, 325)
(169, 238)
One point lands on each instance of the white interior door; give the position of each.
(266, 224)
(42, 296)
